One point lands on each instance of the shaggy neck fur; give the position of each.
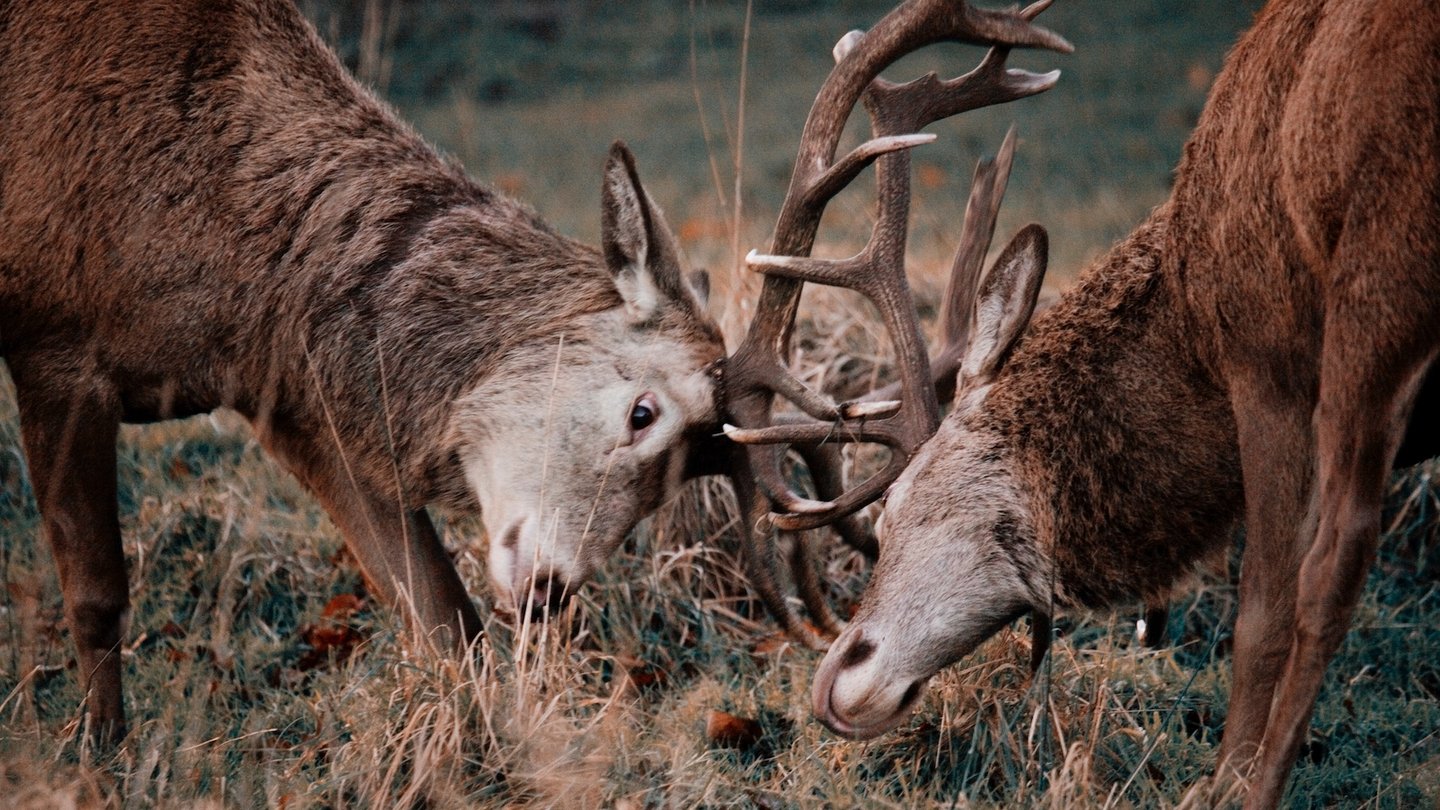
(1124, 438)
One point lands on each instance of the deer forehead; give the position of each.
(674, 364)
(958, 468)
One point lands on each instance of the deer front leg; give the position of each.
(1359, 424)
(69, 440)
(399, 552)
(1275, 451)
(1157, 620)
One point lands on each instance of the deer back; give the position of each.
(199, 207)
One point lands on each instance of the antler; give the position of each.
(756, 372)
(987, 189)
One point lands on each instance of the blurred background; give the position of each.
(528, 94)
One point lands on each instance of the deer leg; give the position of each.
(1358, 425)
(399, 552)
(1275, 450)
(69, 441)
(1157, 617)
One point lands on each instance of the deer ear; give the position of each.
(700, 286)
(1004, 304)
(640, 251)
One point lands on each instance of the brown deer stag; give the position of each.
(1254, 349)
(200, 208)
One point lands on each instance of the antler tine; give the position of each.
(814, 514)
(808, 583)
(903, 108)
(827, 470)
(756, 370)
(759, 554)
(987, 190)
(982, 209)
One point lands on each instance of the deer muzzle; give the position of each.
(856, 694)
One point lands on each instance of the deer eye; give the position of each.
(644, 413)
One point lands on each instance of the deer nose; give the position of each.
(855, 694)
(547, 596)
(859, 651)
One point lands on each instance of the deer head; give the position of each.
(973, 539)
(571, 442)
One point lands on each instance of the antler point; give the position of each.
(846, 44)
(864, 410)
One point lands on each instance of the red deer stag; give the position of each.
(1256, 347)
(200, 208)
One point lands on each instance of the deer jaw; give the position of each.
(558, 465)
(956, 565)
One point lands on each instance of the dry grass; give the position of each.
(247, 687)
(232, 567)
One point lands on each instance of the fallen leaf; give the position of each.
(342, 607)
(773, 643)
(723, 728)
(333, 637)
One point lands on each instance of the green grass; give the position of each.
(233, 701)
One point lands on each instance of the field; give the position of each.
(260, 673)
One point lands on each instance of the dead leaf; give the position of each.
(773, 644)
(723, 728)
(342, 607)
(333, 637)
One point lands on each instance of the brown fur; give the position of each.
(199, 208)
(1128, 512)
(1253, 350)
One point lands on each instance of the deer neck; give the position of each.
(1120, 430)
(401, 343)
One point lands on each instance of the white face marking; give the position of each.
(552, 452)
